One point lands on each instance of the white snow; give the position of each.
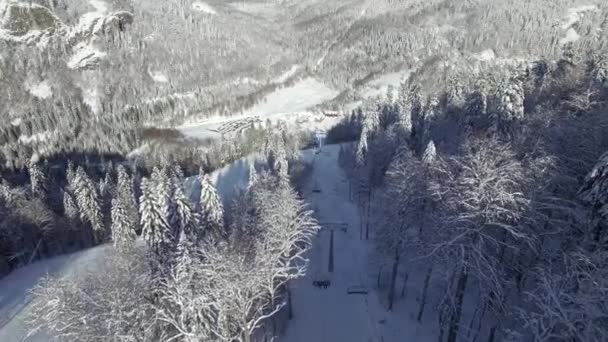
(16, 122)
(91, 97)
(35, 138)
(159, 77)
(203, 7)
(99, 5)
(90, 19)
(228, 179)
(297, 98)
(14, 288)
(289, 104)
(40, 90)
(379, 86)
(287, 74)
(570, 37)
(85, 55)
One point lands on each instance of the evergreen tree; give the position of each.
(38, 181)
(253, 176)
(124, 191)
(211, 209)
(70, 209)
(187, 219)
(156, 231)
(123, 228)
(430, 153)
(88, 201)
(164, 196)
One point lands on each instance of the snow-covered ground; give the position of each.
(41, 90)
(379, 86)
(290, 104)
(159, 77)
(14, 289)
(203, 7)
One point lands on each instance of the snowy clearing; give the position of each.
(203, 7)
(379, 86)
(40, 90)
(297, 98)
(289, 104)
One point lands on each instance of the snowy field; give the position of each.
(290, 104)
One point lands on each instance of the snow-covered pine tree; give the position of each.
(38, 181)
(187, 220)
(428, 120)
(163, 195)
(124, 190)
(88, 201)
(70, 172)
(156, 231)
(211, 210)
(123, 228)
(362, 149)
(6, 193)
(510, 108)
(253, 175)
(430, 153)
(70, 209)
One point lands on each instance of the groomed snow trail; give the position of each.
(333, 315)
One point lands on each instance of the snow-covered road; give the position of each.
(333, 315)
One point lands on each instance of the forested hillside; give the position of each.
(472, 135)
(492, 200)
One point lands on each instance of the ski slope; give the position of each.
(328, 315)
(333, 315)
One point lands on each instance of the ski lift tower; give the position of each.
(320, 136)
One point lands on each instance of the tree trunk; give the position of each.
(391, 291)
(379, 275)
(330, 266)
(492, 334)
(289, 307)
(455, 319)
(424, 293)
(404, 288)
(367, 214)
(470, 330)
(478, 331)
